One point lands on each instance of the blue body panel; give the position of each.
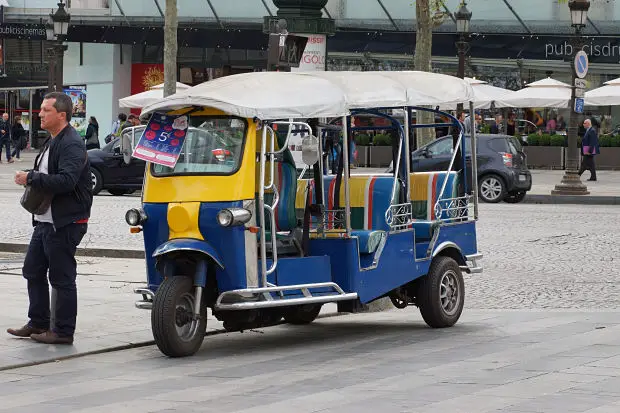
(229, 242)
(397, 264)
(155, 232)
(225, 245)
(303, 270)
(462, 234)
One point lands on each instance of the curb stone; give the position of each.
(571, 199)
(81, 252)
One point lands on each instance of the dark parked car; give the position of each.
(110, 172)
(502, 168)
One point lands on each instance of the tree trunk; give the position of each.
(422, 62)
(170, 48)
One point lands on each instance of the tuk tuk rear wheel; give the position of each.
(441, 293)
(302, 314)
(176, 332)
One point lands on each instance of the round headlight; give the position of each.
(225, 217)
(134, 217)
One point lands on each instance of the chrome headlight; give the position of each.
(233, 216)
(135, 217)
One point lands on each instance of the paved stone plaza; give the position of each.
(540, 333)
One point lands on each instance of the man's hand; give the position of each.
(21, 178)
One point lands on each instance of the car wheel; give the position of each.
(97, 180)
(492, 188)
(515, 197)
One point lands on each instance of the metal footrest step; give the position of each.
(254, 298)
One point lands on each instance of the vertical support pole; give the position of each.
(261, 208)
(474, 158)
(407, 126)
(345, 158)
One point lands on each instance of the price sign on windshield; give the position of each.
(163, 139)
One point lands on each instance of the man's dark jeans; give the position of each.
(5, 143)
(53, 250)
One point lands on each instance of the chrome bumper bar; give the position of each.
(253, 298)
(472, 266)
(147, 298)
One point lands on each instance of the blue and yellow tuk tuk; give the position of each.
(229, 225)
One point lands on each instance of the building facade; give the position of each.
(116, 46)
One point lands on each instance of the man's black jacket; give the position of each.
(68, 180)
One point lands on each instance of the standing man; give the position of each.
(589, 149)
(5, 137)
(61, 169)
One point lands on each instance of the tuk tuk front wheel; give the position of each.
(175, 330)
(441, 293)
(302, 314)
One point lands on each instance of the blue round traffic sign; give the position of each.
(581, 64)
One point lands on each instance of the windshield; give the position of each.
(213, 146)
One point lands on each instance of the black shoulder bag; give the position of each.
(37, 201)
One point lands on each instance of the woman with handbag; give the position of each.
(92, 134)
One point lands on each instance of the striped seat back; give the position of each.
(370, 199)
(425, 188)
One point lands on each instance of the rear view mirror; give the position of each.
(425, 153)
(310, 150)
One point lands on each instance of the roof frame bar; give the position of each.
(448, 12)
(267, 8)
(215, 14)
(507, 3)
(385, 10)
(593, 25)
(159, 8)
(122, 12)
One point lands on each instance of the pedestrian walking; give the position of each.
(5, 137)
(92, 134)
(17, 135)
(589, 149)
(61, 170)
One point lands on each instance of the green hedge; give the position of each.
(362, 139)
(559, 140)
(382, 140)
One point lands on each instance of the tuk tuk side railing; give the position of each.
(262, 206)
(270, 156)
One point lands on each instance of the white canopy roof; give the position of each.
(142, 99)
(485, 95)
(608, 95)
(277, 95)
(545, 93)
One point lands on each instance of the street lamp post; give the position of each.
(571, 183)
(57, 29)
(463, 17)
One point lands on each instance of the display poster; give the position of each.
(313, 59)
(163, 139)
(78, 118)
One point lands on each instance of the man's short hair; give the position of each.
(122, 117)
(132, 116)
(63, 103)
